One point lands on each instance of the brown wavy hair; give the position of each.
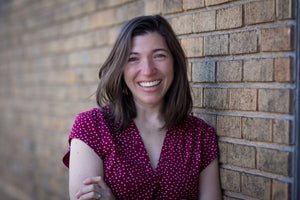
(112, 92)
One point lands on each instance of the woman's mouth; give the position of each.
(147, 84)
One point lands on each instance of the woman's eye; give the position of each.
(160, 56)
(132, 59)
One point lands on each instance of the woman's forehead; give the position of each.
(150, 41)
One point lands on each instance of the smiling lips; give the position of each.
(149, 83)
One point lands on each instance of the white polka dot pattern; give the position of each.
(187, 149)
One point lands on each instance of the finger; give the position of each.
(96, 180)
(91, 180)
(90, 188)
(90, 195)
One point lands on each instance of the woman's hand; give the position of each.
(95, 188)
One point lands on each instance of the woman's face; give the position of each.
(149, 71)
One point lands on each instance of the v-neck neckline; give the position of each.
(145, 153)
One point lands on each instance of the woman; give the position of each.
(142, 143)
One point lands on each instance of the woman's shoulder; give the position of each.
(98, 115)
(93, 113)
(197, 127)
(98, 118)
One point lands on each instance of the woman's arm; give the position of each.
(85, 173)
(209, 184)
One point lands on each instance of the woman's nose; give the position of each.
(148, 67)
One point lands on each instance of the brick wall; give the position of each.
(241, 67)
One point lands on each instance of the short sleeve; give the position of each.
(87, 128)
(209, 145)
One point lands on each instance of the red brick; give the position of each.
(97, 56)
(171, 6)
(258, 70)
(216, 98)
(284, 9)
(243, 42)
(153, 7)
(277, 39)
(229, 18)
(215, 2)
(228, 126)
(83, 41)
(197, 97)
(216, 45)
(257, 129)
(60, 14)
(274, 161)
(282, 131)
(182, 24)
(112, 35)
(128, 11)
(230, 180)
(102, 19)
(78, 58)
(203, 72)
(243, 99)
(259, 11)
(135, 9)
(193, 46)
(69, 44)
(281, 190)
(256, 186)
(89, 6)
(89, 76)
(204, 21)
(75, 9)
(192, 4)
(274, 100)
(229, 71)
(107, 3)
(65, 77)
(283, 70)
(99, 37)
(241, 155)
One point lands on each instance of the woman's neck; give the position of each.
(150, 115)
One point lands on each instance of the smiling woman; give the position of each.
(111, 87)
(142, 143)
(149, 71)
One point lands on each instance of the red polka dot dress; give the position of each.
(187, 149)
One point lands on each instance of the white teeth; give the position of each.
(149, 84)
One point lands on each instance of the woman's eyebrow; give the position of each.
(160, 49)
(154, 50)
